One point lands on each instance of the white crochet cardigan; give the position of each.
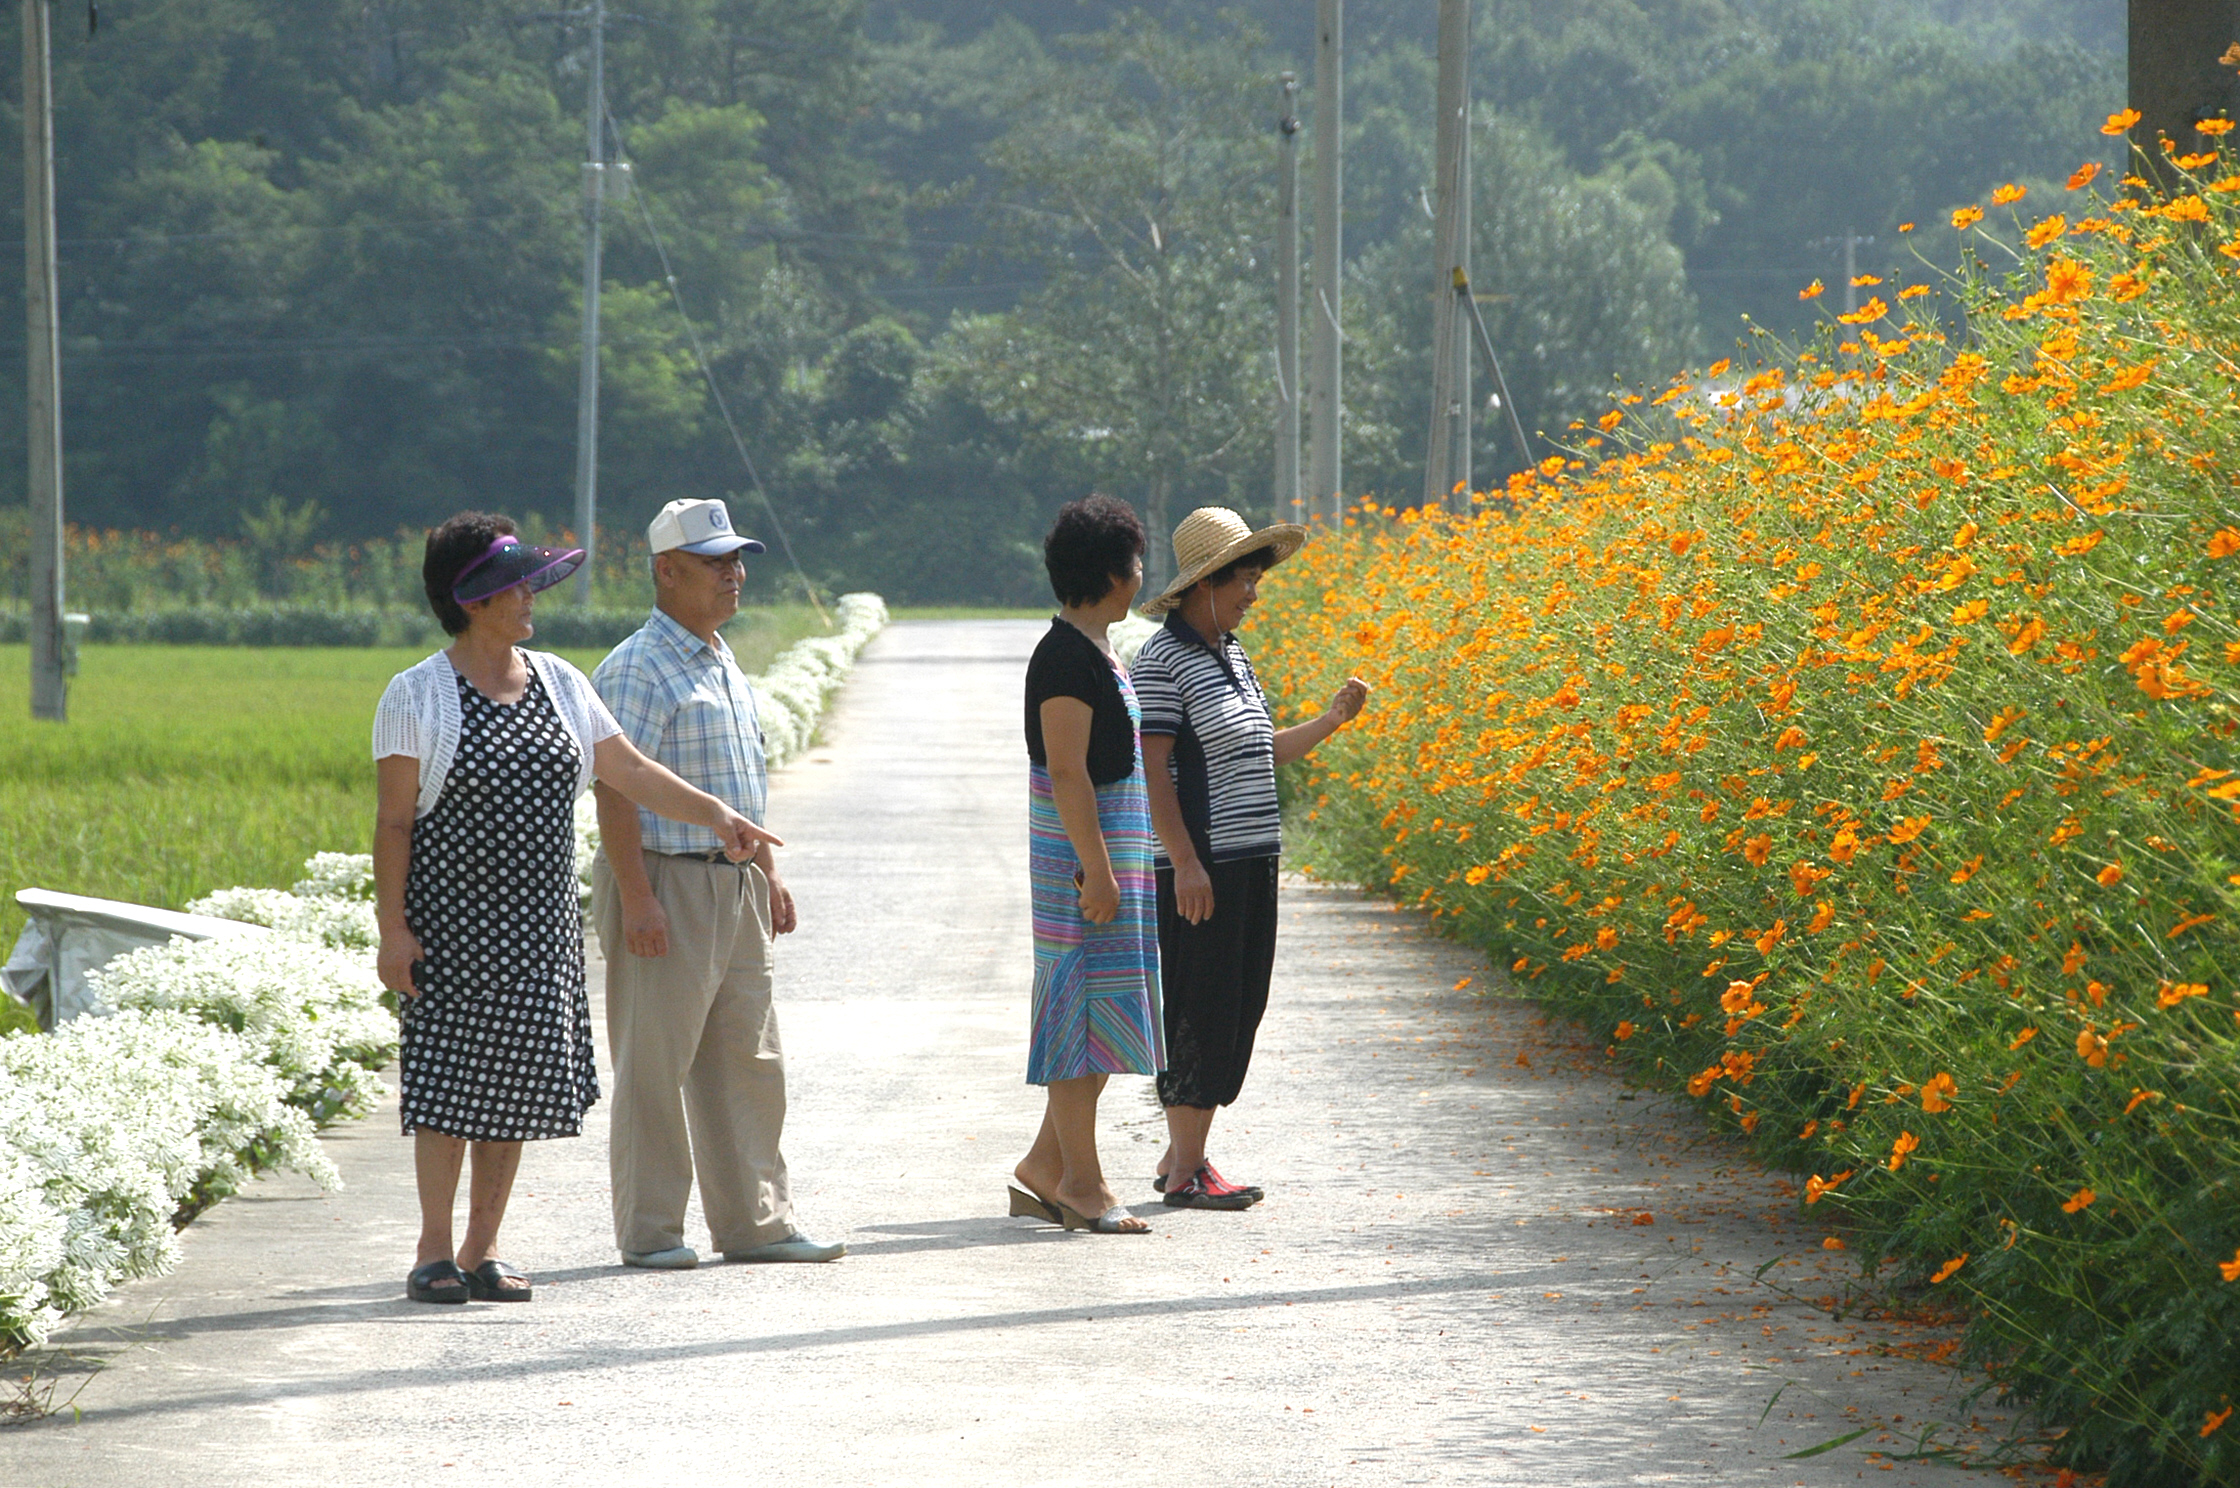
(419, 717)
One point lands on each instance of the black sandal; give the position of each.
(487, 1282)
(438, 1281)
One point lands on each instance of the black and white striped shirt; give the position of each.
(1224, 761)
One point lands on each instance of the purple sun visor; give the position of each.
(510, 561)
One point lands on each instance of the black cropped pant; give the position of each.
(1213, 979)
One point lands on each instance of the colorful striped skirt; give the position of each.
(1096, 987)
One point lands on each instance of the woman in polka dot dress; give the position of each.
(482, 750)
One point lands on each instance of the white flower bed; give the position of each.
(216, 1060)
(791, 696)
(1126, 636)
(343, 923)
(108, 1126)
(314, 1015)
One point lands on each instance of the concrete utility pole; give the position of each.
(587, 384)
(1286, 503)
(1446, 448)
(43, 384)
(1325, 471)
(2175, 78)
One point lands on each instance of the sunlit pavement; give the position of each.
(1482, 1258)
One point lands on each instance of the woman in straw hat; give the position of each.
(1211, 748)
(1096, 943)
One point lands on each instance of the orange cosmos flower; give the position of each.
(1910, 828)
(2009, 193)
(2214, 1420)
(1944, 1272)
(2067, 280)
(1817, 1188)
(1812, 291)
(2082, 1199)
(2231, 1268)
(1757, 850)
(2174, 993)
(2214, 127)
(2110, 876)
(2224, 543)
(1873, 310)
(2046, 231)
(2022, 1038)
(1937, 1093)
(1901, 1149)
(2082, 176)
(1967, 217)
(1623, 1032)
(2119, 122)
(1913, 291)
(1823, 916)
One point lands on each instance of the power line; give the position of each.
(707, 374)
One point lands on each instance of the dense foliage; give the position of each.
(952, 264)
(1849, 739)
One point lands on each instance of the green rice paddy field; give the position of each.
(185, 768)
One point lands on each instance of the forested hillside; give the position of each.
(954, 263)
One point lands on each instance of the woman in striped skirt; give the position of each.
(1096, 936)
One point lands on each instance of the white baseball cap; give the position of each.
(697, 527)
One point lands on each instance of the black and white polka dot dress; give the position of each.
(497, 1047)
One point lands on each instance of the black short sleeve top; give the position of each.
(1069, 664)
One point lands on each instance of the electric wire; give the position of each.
(707, 374)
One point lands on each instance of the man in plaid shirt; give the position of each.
(699, 1075)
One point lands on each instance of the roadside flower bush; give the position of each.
(108, 1127)
(1850, 739)
(792, 694)
(315, 1016)
(217, 1060)
(330, 921)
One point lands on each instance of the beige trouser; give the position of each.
(695, 1044)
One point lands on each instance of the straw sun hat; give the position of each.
(1212, 537)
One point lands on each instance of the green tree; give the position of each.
(1136, 178)
(1582, 288)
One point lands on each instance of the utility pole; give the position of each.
(2174, 77)
(43, 384)
(1325, 472)
(1287, 506)
(1446, 450)
(587, 383)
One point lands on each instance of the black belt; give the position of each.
(712, 855)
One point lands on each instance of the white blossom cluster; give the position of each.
(343, 923)
(1126, 636)
(313, 1014)
(107, 1127)
(215, 1060)
(791, 696)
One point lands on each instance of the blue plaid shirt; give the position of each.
(687, 705)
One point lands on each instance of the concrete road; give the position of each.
(1482, 1259)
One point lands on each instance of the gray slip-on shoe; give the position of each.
(795, 1247)
(675, 1258)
